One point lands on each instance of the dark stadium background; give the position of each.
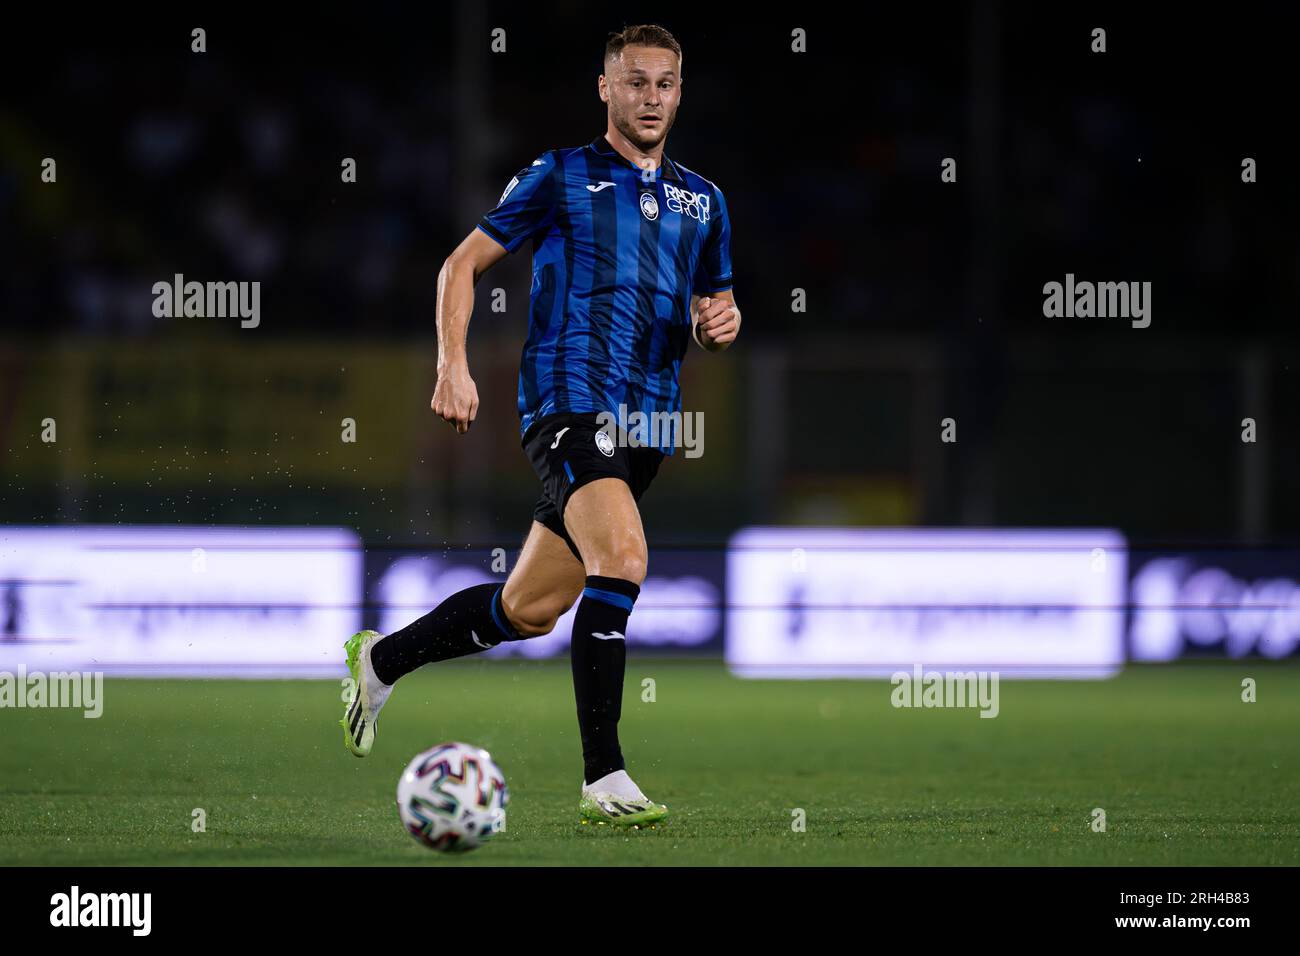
(923, 299)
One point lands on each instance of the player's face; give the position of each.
(643, 87)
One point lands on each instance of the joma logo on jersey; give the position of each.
(510, 187)
(695, 205)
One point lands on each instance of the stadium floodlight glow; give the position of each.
(856, 602)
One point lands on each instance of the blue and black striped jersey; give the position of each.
(617, 254)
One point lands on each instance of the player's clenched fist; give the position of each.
(718, 323)
(455, 398)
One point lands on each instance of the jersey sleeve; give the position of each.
(713, 272)
(526, 206)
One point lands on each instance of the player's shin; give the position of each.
(599, 655)
(469, 621)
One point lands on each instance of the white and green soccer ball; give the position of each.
(453, 797)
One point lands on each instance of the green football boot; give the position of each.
(616, 801)
(367, 695)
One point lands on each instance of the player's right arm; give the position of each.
(524, 209)
(455, 397)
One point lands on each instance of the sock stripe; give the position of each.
(498, 617)
(609, 597)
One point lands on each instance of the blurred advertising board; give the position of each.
(179, 601)
(1219, 603)
(828, 602)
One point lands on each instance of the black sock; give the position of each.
(598, 664)
(467, 622)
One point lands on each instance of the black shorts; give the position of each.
(567, 450)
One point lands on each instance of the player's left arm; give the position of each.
(715, 320)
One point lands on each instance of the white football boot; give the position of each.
(615, 800)
(367, 697)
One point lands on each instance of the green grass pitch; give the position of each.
(1186, 772)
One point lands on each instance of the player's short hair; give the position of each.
(644, 34)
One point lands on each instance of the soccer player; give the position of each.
(631, 256)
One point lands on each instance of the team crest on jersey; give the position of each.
(603, 441)
(649, 209)
(695, 205)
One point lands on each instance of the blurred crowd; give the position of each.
(226, 165)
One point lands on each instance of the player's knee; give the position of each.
(534, 619)
(627, 563)
(534, 625)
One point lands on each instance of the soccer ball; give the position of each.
(453, 797)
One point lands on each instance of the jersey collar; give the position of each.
(667, 169)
